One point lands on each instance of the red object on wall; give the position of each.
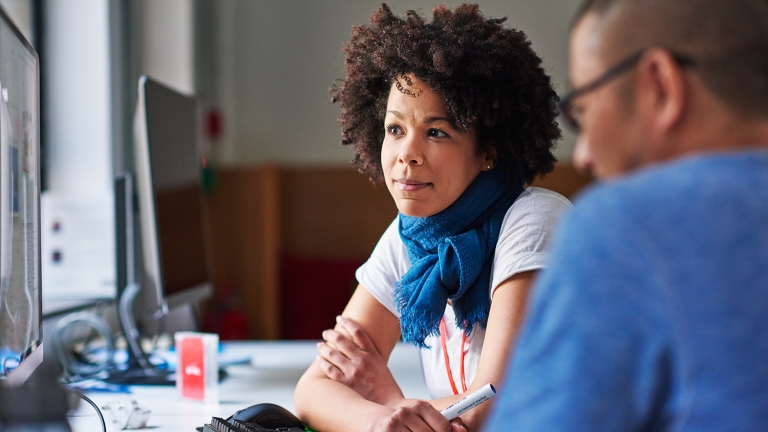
(312, 292)
(214, 124)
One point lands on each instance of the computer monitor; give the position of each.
(168, 182)
(162, 255)
(21, 338)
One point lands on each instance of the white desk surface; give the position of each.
(272, 377)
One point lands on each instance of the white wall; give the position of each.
(275, 61)
(167, 42)
(79, 160)
(77, 59)
(20, 12)
(79, 125)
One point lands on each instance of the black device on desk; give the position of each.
(264, 417)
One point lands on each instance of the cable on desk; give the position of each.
(72, 341)
(98, 411)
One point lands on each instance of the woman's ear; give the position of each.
(489, 158)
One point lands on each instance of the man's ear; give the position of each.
(665, 79)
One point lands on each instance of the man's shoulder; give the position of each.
(680, 185)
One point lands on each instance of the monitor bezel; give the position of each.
(147, 234)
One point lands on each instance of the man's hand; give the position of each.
(348, 356)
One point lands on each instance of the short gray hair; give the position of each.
(727, 39)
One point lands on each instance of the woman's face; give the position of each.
(427, 164)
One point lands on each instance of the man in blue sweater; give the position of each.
(653, 312)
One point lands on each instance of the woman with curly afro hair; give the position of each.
(455, 116)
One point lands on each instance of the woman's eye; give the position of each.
(394, 130)
(436, 133)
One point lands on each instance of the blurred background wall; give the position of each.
(272, 63)
(289, 218)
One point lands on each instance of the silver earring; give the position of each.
(488, 167)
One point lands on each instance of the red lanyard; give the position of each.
(443, 337)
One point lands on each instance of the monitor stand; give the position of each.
(140, 370)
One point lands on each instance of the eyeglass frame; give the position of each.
(613, 72)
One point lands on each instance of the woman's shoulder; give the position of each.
(536, 203)
(526, 231)
(391, 236)
(536, 197)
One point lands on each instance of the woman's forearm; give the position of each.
(326, 405)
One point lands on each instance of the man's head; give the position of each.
(657, 79)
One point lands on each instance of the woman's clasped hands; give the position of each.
(348, 356)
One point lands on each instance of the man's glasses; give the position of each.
(566, 103)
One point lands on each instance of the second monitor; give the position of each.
(162, 255)
(172, 227)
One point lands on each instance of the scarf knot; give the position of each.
(451, 256)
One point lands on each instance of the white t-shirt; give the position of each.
(525, 232)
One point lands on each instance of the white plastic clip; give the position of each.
(125, 413)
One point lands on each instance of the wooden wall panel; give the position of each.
(565, 180)
(182, 246)
(260, 214)
(244, 214)
(331, 219)
(332, 212)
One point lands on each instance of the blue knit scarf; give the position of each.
(451, 256)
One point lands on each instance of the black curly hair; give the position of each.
(488, 76)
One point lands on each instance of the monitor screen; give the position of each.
(168, 169)
(21, 339)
